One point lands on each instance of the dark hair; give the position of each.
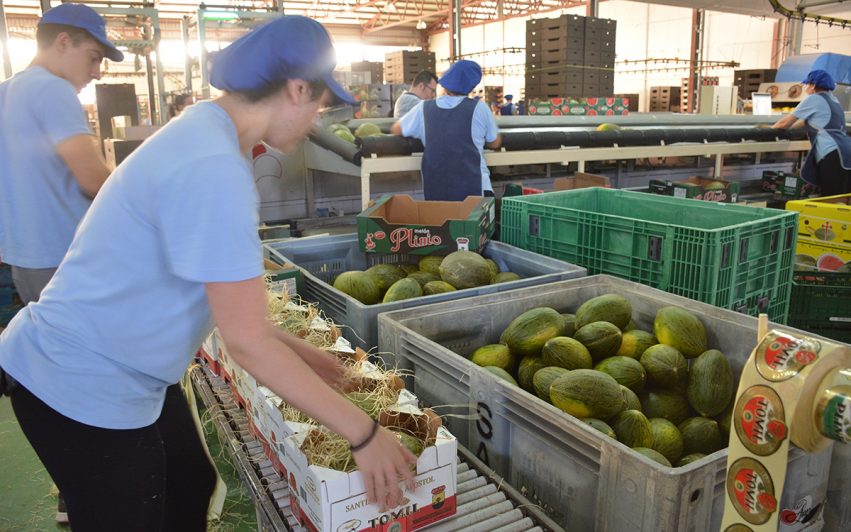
(317, 88)
(424, 77)
(453, 93)
(45, 34)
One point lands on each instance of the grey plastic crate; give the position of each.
(323, 258)
(584, 479)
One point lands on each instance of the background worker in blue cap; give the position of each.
(508, 108)
(169, 246)
(828, 163)
(454, 130)
(50, 163)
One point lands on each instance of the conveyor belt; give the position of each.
(485, 502)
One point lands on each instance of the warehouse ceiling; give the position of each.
(392, 22)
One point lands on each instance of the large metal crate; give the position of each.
(732, 256)
(323, 258)
(586, 480)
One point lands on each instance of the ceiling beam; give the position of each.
(372, 26)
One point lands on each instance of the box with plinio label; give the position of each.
(326, 500)
(402, 225)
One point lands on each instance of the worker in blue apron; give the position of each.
(508, 108)
(454, 130)
(828, 164)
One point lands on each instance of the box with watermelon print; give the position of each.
(698, 188)
(399, 224)
(824, 220)
(579, 107)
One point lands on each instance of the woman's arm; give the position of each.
(239, 310)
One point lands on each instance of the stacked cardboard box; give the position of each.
(748, 81)
(402, 66)
(664, 99)
(685, 91)
(631, 101)
(570, 56)
(579, 106)
(375, 69)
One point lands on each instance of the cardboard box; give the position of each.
(591, 106)
(400, 224)
(325, 500)
(825, 257)
(694, 188)
(787, 185)
(207, 351)
(581, 180)
(826, 220)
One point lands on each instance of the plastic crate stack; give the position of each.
(821, 290)
(10, 303)
(403, 66)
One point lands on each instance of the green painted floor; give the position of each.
(26, 502)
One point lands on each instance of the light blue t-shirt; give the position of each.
(40, 200)
(127, 309)
(817, 114)
(483, 129)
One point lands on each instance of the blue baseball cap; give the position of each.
(83, 17)
(820, 79)
(289, 47)
(462, 76)
(509, 96)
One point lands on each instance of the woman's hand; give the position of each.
(384, 462)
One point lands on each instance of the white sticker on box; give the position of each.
(679, 192)
(791, 181)
(284, 286)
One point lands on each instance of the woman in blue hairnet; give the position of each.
(828, 163)
(170, 246)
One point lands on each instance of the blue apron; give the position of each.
(507, 110)
(836, 129)
(451, 161)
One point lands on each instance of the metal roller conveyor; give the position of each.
(554, 139)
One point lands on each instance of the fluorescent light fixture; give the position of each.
(220, 15)
(421, 24)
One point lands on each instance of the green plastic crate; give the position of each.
(821, 303)
(731, 256)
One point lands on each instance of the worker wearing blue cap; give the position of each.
(828, 164)
(50, 163)
(454, 130)
(169, 247)
(508, 108)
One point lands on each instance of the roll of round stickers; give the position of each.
(794, 390)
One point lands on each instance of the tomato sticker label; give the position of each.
(751, 490)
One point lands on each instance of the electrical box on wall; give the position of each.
(717, 100)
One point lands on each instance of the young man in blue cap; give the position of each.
(508, 108)
(454, 130)
(50, 164)
(828, 163)
(169, 246)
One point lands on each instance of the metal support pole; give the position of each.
(456, 15)
(696, 52)
(4, 42)
(187, 64)
(592, 9)
(719, 164)
(45, 5)
(796, 35)
(161, 103)
(202, 55)
(152, 93)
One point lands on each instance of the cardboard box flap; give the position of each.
(403, 209)
(581, 180)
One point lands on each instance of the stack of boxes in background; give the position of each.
(664, 99)
(402, 66)
(748, 81)
(705, 81)
(570, 56)
(375, 100)
(373, 68)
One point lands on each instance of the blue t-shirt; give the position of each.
(483, 128)
(127, 308)
(815, 111)
(40, 200)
